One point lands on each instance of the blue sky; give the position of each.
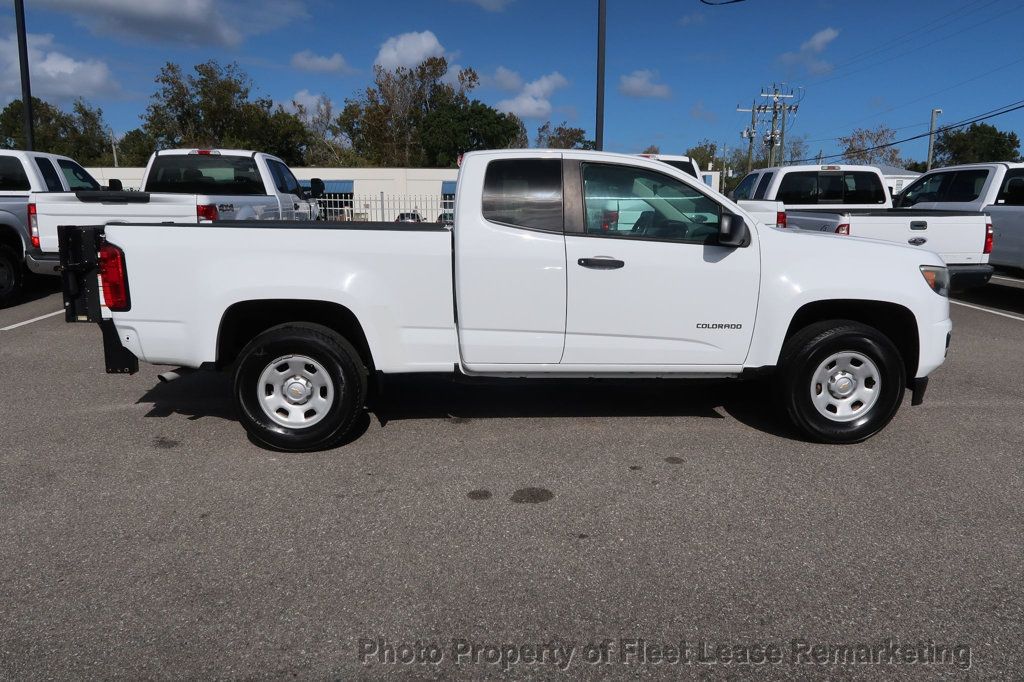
(676, 70)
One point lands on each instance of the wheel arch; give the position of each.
(12, 235)
(244, 320)
(896, 321)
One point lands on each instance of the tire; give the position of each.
(827, 368)
(299, 387)
(12, 276)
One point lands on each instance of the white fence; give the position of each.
(386, 207)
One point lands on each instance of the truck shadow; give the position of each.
(208, 394)
(1007, 296)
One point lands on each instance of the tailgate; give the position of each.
(79, 261)
(97, 208)
(959, 239)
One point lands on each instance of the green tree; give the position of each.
(704, 153)
(135, 147)
(651, 149)
(80, 133)
(976, 144)
(861, 146)
(563, 137)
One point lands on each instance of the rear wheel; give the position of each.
(12, 276)
(840, 381)
(299, 387)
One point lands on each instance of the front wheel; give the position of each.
(841, 381)
(299, 387)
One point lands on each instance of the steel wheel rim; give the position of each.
(295, 391)
(846, 386)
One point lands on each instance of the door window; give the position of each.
(77, 177)
(283, 178)
(762, 186)
(524, 193)
(926, 189)
(50, 176)
(1012, 193)
(12, 175)
(745, 189)
(966, 186)
(636, 203)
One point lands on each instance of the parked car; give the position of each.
(995, 188)
(853, 201)
(410, 217)
(529, 283)
(20, 174)
(683, 163)
(184, 186)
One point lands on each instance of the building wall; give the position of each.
(366, 181)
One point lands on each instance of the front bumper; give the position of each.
(43, 263)
(963, 277)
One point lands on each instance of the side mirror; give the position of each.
(316, 188)
(733, 230)
(114, 185)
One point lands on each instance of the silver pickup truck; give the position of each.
(22, 173)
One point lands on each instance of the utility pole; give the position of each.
(777, 107)
(931, 137)
(113, 146)
(750, 133)
(599, 127)
(26, 87)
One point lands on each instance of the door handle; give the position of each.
(601, 263)
(918, 224)
(917, 241)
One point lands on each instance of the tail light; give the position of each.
(780, 219)
(33, 225)
(608, 219)
(843, 229)
(989, 239)
(207, 212)
(114, 278)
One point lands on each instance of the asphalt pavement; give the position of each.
(526, 529)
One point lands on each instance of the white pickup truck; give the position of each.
(995, 188)
(533, 280)
(182, 186)
(853, 201)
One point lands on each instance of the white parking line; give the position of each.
(34, 319)
(989, 310)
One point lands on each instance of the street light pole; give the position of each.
(931, 137)
(26, 88)
(599, 127)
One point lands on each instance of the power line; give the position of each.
(918, 137)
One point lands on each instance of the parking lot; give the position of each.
(144, 535)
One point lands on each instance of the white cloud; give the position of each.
(692, 19)
(809, 56)
(506, 79)
(702, 113)
(55, 75)
(534, 101)
(308, 61)
(196, 22)
(641, 84)
(305, 99)
(408, 49)
(491, 5)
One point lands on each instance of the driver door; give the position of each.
(647, 282)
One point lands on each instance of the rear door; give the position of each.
(660, 291)
(510, 262)
(1008, 221)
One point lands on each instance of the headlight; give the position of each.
(937, 278)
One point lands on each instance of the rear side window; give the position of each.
(524, 193)
(205, 174)
(813, 187)
(1012, 192)
(12, 175)
(762, 186)
(50, 176)
(966, 185)
(745, 189)
(77, 177)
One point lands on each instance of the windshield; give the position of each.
(205, 174)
